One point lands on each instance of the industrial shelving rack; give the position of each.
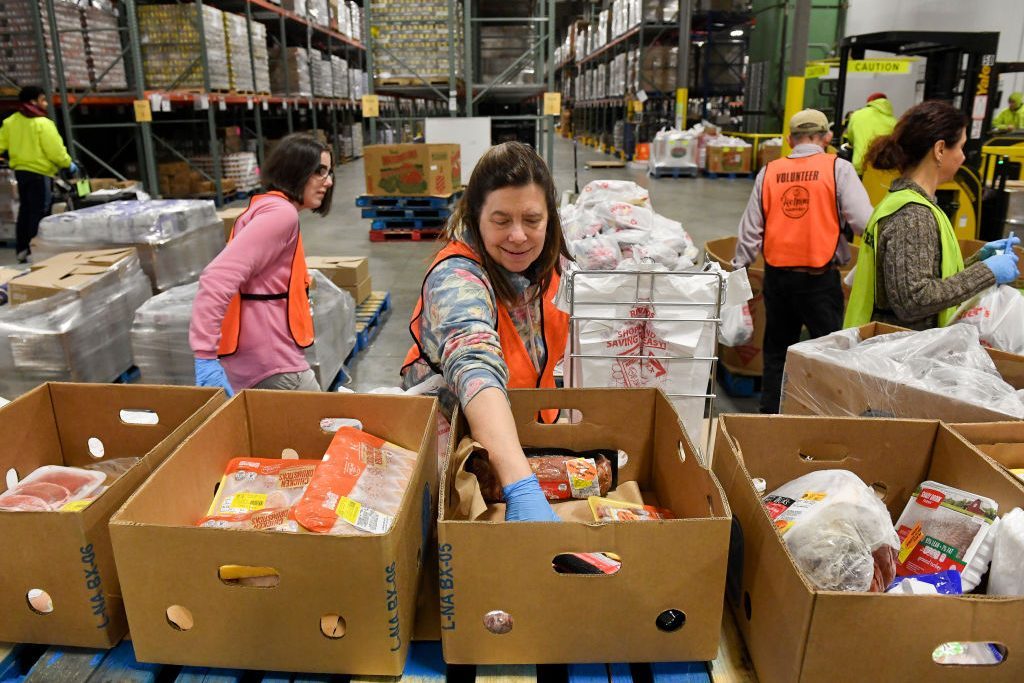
(98, 111)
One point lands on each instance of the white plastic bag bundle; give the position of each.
(838, 531)
(672, 148)
(599, 191)
(998, 313)
(596, 253)
(1005, 576)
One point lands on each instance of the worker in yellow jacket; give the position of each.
(872, 121)
(36, 152)
(1011, 118)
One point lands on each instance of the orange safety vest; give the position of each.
(300, 318)
(521, 372)
(801, 212)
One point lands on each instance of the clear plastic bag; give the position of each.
(998, 313)
(1005, 575)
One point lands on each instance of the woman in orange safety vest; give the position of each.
(485, 320)
(251, 320)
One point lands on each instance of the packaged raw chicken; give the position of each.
(946, 528)
(259, 493)
(563, 474)
(50, 488)
(838, 531)
(358, 487)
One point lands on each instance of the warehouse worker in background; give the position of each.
(1011, 118)
(868, 123)
(485, 319)
(36, 154)
(801, 213)
(910, 271)
(251, 319)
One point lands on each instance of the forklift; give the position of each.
(961, 69)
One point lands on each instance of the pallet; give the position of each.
(407, 81)
(738, 386)
(129, 376)
(673, 173)
(729, 176)
(395, 212)
(407, 224)
(40, 664)
(605, 164)
(405, 235)
(427, 202)
(370, 317)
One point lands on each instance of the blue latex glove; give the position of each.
(525, 502)
(997, 247)
(210, 373)
(73, 168)
(1004, 267)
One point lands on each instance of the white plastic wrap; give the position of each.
(948, 362)
(72, 336)
(159, 333)
(175, 238)
(998, 313)
(674, 149)
(1005, 576)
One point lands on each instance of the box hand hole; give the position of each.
(670, 620)
(970, 653)
(498, 622)
(682, 451)
(96, 448)
(139, 416)
(587, 564)
(11, 478)
(329, 425)
(333, 626)
(250, 577)
(180, 618)
(289, 454)
(39, 601)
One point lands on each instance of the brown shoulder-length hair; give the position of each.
(915, 134)
(294, 160)
(510, 164)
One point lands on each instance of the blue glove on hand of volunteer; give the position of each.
(73, 168)
(210, 373)
(525, 502)
(1004, 267)
(997, 247)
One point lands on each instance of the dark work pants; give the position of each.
(34, 204)
(792, 300)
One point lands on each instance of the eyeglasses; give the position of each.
(323, 172)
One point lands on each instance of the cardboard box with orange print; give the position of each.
(412, 170)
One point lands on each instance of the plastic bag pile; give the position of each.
(613, 226)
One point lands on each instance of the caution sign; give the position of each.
(552, 103)
(371, 106)
(813, 70)
(878, 66)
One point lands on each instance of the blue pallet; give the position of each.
(738, 386)
(673, 173)
(370, 316)
(129, 376)
(408, 202)
(729, 176)
(407, 223)
(392, 212)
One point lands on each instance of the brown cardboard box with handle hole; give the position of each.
(344, 604)
(794, 632)
(1001, 441)
(67, 554)
(814, 385)
(493, 566)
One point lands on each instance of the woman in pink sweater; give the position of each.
(251, 319)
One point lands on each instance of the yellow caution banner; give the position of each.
(813, 70)
(878, 66)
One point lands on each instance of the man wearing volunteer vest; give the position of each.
(801, 213)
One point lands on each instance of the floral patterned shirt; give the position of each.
(459, 332)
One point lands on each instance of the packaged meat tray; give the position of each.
(50, 488)
(563, 474)
(358, 487)
(608, 510)
(259, 493)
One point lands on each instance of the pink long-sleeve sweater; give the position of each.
(258, 260)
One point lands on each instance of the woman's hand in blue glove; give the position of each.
(997, 247)
(210, 373)
(1004, 267)
(525, 502)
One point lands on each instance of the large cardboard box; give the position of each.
(813, 385)
(794, 632)
(77, 271)
(361, 290)
(1001, 441)
(735, 159)
(747, 359)
(970, 247)
(370, 582)
(674, 564)
(344, 271)
(228, 216)
(412, 169)
(68, 554)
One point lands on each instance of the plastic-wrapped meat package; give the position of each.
(358, 487)
(596, 253)
(838, 531)
(563, 474)
(50, 488)
(113, 469)
(259, 493)
(998, 313)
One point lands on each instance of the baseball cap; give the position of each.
(877, 96)
(808, 121)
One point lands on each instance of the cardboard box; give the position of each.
(229, 216)
(747, 359)
(674, 564)
(412, 169)
(1001, 441)
(8, 274)
(970, 247)
(112, 184)
(370, 581)
(360, 291)
(68, 554)
(794, 632)
(766, 153)
(814, 386)
(729, 159)
(344, 271)
(77, 270)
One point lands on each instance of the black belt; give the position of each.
(263, 297)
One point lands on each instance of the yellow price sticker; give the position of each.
(371, 106)
(878, 66)
(814, 495)
(910, 542)
(348, 509)
(552, 103)
(143, 111)
(248, 501)
(76, 505)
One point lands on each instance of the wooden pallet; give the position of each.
(407, 223)
(408, 202)
(405, 235)
(407, 81)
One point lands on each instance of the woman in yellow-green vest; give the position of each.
(910, 271)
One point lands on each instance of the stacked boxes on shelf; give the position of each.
(236, 30)
(355, 21)
(416, 34)
(241, 168)
(19, 52)
(261, 57)
(295, 6)
(72, 45)
(357, 82)
(170, 47)
(103, 42)
(323, 83)
(339, 75)
(289, 71)
(318, 12)
(658, 68)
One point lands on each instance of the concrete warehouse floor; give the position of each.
(707, 209)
